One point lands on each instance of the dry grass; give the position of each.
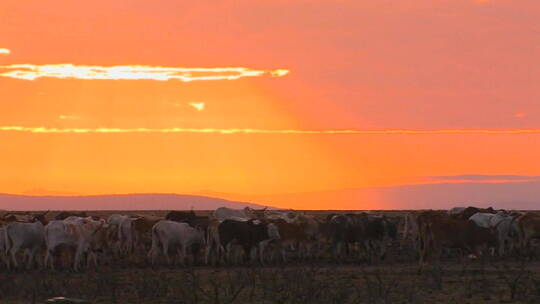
(396, 280)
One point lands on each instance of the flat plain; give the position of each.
(396, 279)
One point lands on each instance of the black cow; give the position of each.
(180, 216)
(200, 222)
(345, 230)
(368, 231)
(249, 234)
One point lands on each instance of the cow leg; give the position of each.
(284, 255)
(183, 255)
(13, 253)
(248, 253)
(207, 253)
(92, 256)
(150, 255)
(49, 259)
(166, 253)
(76, 260)
(31, 257)
(302, 251)
(501, 241)
(228, 249)
(4, 258)
(79, 255)
(337, 250)
(262, 245)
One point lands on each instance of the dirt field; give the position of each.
(395, 280)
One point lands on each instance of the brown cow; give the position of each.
(439, 230)
(142, 229)
(25, 217)
(213, 244)
(529, 229)
(291, 235)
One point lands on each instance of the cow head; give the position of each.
(40, 217)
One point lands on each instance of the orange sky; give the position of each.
(354, 65)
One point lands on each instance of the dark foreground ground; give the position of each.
(395, 280)
(497, 282)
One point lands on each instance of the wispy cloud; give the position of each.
(263, 131)
(4, 51)
(199, 106)
(132, 72)
(68, 117)
(486, 178)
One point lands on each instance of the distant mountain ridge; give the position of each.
(118, 202)
(508, 195)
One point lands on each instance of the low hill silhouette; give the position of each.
(118, 202)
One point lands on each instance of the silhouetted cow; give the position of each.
(180, 216)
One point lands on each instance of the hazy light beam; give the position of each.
(4, 51)
(264, 131)
(132, 72)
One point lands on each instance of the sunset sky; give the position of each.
(271, 97)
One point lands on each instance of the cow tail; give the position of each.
(119, 233)
(134, 236)
(45, 238)
(155, 238)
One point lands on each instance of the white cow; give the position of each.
(507, 234)
(84, 234)
(114, 221)
(126, 235)
(488, 220)
(24, 236)
(176, 236)
(122, 232)
(504, 226)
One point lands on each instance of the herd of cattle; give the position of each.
(242, 235)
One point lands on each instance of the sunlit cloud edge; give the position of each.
(133, 72)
